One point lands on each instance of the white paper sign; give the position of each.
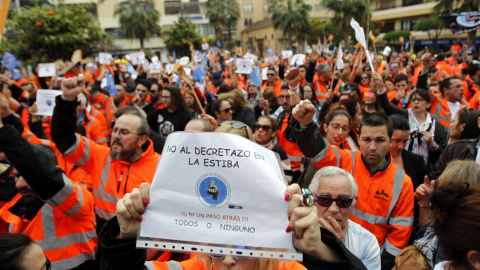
(220, 189)
(155, 68)
(104, 58)
(205, 46)
(244, 66)
(198, 57)
(46, 101)
(155, 59)
(268, 59)
(169, 68)
(184, 60)
(47, 70)
(387, 51)
(251, 57)
(297, 58)
(137, 58)
(287, 54)
(264, 74)
(188, 71)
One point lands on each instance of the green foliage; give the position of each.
(42, 34)
(179, 37)
(217, 11)
(395, 35)
(344, 11)
(291, 17)
(316, 31)
(138, 19)
(428, 23)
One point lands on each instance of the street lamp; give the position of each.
(229, 32)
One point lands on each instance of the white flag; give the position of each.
(340, 64)
(360, 36)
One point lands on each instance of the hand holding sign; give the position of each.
(130, 209)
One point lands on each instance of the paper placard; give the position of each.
(251, 57)
(46, 101)
(184, 60)
(47, 70)
(197, 58)
(205, 46)
(137, 58)
(298, 59)
(244, 66)
(104, 58)
(212, 180)
(188, 71)
(169, 68)
(387, 51)
(155, 59)
(264, 74)
(155, 68)
(287, 54)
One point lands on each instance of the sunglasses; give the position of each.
(270, 74)
(264, 127)
(236, 125)
(370, 94)
(364, 78)
(227, 110)
(327, 201)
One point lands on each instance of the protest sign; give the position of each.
(46, 101)
(184, 60)
(287, 54)
(169, 68)
(205, 46)
(137, 58)
(251, 57)
(188, 71)
(47, 70)
(264, 73)
(244, 66)
(104, 58)
(155, 68)
(297, 60)
(218, 193)
(155, 59)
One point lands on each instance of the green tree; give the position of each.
(217, 11)
(344, 11)
(138, 19)
(455, 6)
(43, 34)
(430, 24)
(396, 35)
(180, 36)
(291, 17)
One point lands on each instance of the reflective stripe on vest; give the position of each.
(397, 190)
(61, 195)
(171, 265)
(102, 195)
(52, 242)
(354, 156)
(86, 152)
(101, 140)
(337, 155)
(321, 155)
(390, 248)
(441, 117)
(295, 158)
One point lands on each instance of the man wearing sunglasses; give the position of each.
(385, 202)
(336, 193)
(272, 81)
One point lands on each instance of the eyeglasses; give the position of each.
(270, 74)
(283, 97)
(415, 100)
(337, 127)
(394, 66)
(165, 97)
(370, 94)
(364, 78)
(264, 127)
(327, 201)
(227, 110)
(48, 264)
(122, 132)
(236, 125)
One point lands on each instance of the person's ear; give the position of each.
(325, 127)
(474, 259)
(462, 126)
(478, 121)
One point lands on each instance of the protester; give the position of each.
(465, 125)
(223, 110)
(19, 251)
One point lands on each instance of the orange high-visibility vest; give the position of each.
(440, 110)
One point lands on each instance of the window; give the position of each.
(204, 29)
(317, 7)
(387, 26)
(411, 2)
(116, 33)
(265, 8)
(248, 21)
(247, 8)
(408, 25)
(386, 4)
(172, 8)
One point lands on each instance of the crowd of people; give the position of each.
(391, 156)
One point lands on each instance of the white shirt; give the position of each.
(429, 125)
(454, 108)
(441, 265)
(364, 245)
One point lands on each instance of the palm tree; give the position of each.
(291, 18)
(138, 19)
(455, 6)
(345, 10)
(217, 11)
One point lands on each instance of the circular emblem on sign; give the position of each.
(49, 102)
(213, 190)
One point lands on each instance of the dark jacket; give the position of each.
(440, 135)
(115, 253)
(245, 115)
(462, 150)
